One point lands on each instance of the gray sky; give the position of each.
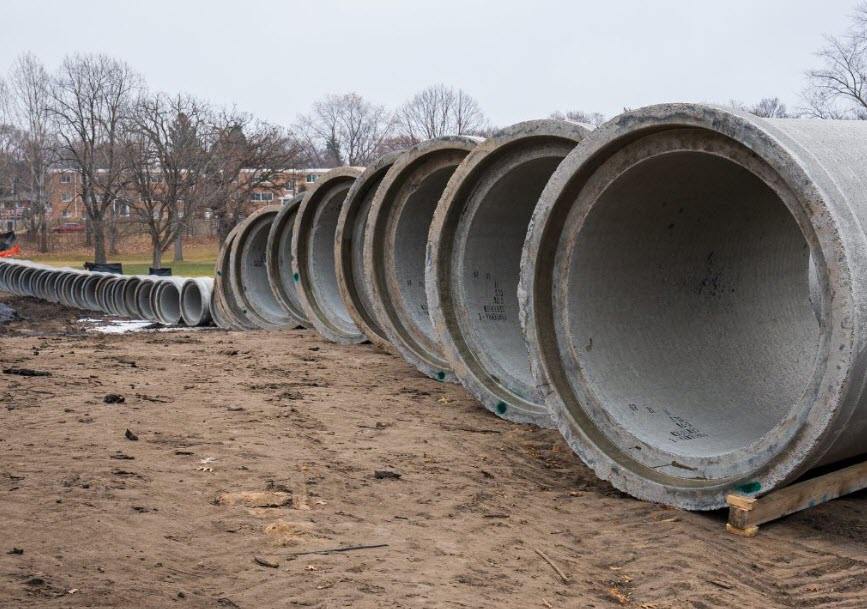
(521, 59)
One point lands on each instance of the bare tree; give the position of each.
(767, 107)
(91, 95)
(166, 160)
(579, 116)
(439, 110)
(32, 110)
(247, 156)
(838, 88)
(343, 129)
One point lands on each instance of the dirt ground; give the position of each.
(252, 447)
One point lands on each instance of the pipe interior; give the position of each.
(410, 243)
(169, 303)
(191, 302)
(284, 260)
(488, 265)
(356, 279)
(689, 305)
(323, 279)
(254, 273)
(143, 296)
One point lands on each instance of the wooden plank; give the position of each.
(747, 513)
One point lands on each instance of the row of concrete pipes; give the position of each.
(165, 300)
(682, 292)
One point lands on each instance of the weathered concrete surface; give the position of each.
(278, 261)
(394, 248)
(248, 275)
(354, 286)
(313, 256)
(196, 293)
(474, 261)
(165, 300)
(232, 314)
(665, 295)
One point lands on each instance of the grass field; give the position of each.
(199, 260)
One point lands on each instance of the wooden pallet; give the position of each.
(747, 513)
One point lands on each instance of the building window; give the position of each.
(65, 178)
(311, 178)
(123, 210)
(66, 214)
(262, 196)
(154, 179)
(66, 197)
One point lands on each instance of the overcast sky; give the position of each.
(521, 59)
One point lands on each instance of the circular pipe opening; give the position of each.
(279, 261)
(475, 249)
(354, 286)
(167, 303)
(394, 248)
(143, 299)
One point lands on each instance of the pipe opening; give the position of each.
(323, 283)
(169, 303)
(407, 259)
(254, 273)
(191, 303)
(143, 299)
(687, 306)
(489, 244)
(281, 274)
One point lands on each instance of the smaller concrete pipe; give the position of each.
(231, 312)
(101, 291)
(278, 261)
(474, 262)
(143, 298)
(349, 250)
(313, 256)
(196, 301)
(88, 290)
(78, 294)
(165, 300)
(65, 288)
(130, 302)
(117, 297)
(248, 275)
(394, 248)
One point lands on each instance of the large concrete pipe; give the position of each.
(165, 300)
(394, 248)
(231, 312)
(313, 256)
(248, 275)
(118, 300)
(196, 301)
(100, 290)
(65, 284)
(78, 292)
(278, 261)
(349, 250)
(130, 301)
(474, 262)
(666, 293)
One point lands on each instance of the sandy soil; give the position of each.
(257, 446)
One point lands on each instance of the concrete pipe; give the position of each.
(349, 250)
(313, 256)
(666, 299)
(394, 248)
(78, 294)
(118, 299)
(248, 275)
(165, 300)
(143, 293)
(474, 262)
(217, 314)
(231, 312)
(88, 290)
(278, 261)
(102, 286)
(130, 302)
(64, 288)
(196, 301)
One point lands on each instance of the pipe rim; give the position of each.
(321, 315)
(757, 139)
(361, 194)
(258, 221)
(428, 158)
(279, 273)
(231, 310)
(481, 371)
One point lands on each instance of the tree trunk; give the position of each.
(88, 232)
(43, 232)
(157, 257)
(98, 228)
(112, 235)
(179, 246)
